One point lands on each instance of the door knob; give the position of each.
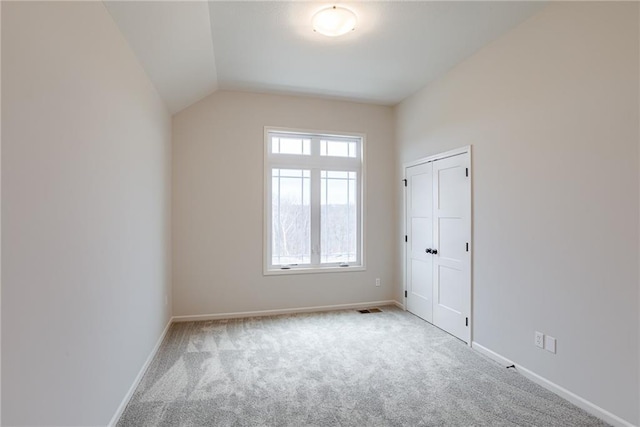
(428, 251)
(435, 251)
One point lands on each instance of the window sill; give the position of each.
(313, 270)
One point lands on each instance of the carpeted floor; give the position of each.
(338, 368)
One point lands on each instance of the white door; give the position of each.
(451, 258)
(419, 224)
(438, 225)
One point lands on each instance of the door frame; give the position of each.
(434, 157)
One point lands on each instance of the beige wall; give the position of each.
(85, 214)
(551, 110)
(218, 204)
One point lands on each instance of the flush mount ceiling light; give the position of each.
(334, 21)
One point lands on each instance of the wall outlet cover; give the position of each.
(539, 339)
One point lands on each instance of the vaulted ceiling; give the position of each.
(189, 49)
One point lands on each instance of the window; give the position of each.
(313, 202)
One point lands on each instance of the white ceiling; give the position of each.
(190, 49)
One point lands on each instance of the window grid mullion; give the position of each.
(315, 147)
(315, 216)
(348, 182)
(279, 223)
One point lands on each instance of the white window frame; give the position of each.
(315, 162)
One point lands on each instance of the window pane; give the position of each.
(338, 148)
(290, 145)
(338, 217)
(290, 216)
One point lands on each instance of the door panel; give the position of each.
(450, 248)
(421, 273)
(449, 290)
(419, 223)
(451, 182)
(420, 189)
(452, 215)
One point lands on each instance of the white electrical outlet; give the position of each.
(539, 339)
(378, 281)
(550, 344)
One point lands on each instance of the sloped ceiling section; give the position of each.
(172, 40)
(191, 48)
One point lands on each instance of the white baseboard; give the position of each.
(238, 315)
(491, 354)
(580, 402)
(136, 381)
(400, 305)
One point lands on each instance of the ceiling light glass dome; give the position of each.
(334, 21)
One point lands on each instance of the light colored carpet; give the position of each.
(338, 368)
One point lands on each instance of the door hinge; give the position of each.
(406, 239)
(467, 246)
(466, 172)
(466, 321)
(405, 294)
(405, 182)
